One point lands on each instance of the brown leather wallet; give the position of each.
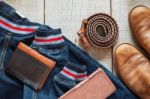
(96, 86)
(29, 66)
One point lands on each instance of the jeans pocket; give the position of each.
(69, 76)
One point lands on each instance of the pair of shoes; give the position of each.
(131, 65)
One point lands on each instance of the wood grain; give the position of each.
(68, 14)
(32, 9)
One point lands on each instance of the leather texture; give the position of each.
(96, 86)
(134, 69)
(29, 66)
(139, 20)
(99, 30)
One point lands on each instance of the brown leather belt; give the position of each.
(88, 31)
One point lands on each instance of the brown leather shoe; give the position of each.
(139, 20)
(134, 69)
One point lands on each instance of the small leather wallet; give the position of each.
(96, 86)
(29, 66)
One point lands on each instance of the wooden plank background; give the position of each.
(68, 14)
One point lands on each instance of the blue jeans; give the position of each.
(56, 86)
(14, 29)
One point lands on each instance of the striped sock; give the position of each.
(47, 37)
(18, 27)
(74, 72)
(69, 76)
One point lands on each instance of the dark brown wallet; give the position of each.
(29, 66)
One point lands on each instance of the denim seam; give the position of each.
(34, 95)
(4, 50)
(2, 57)
(2, 54)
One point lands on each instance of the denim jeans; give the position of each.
(14, 29)
(65, 53)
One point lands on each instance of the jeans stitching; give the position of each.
(1, 57)
(34, 95)
(4, 50)
(7, 42)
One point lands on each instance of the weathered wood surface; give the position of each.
(68, 14)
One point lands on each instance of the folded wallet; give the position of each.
(96, 86)
(29, 66)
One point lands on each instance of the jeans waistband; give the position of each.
(12, 22)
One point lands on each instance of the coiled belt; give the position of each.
(88, 31)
